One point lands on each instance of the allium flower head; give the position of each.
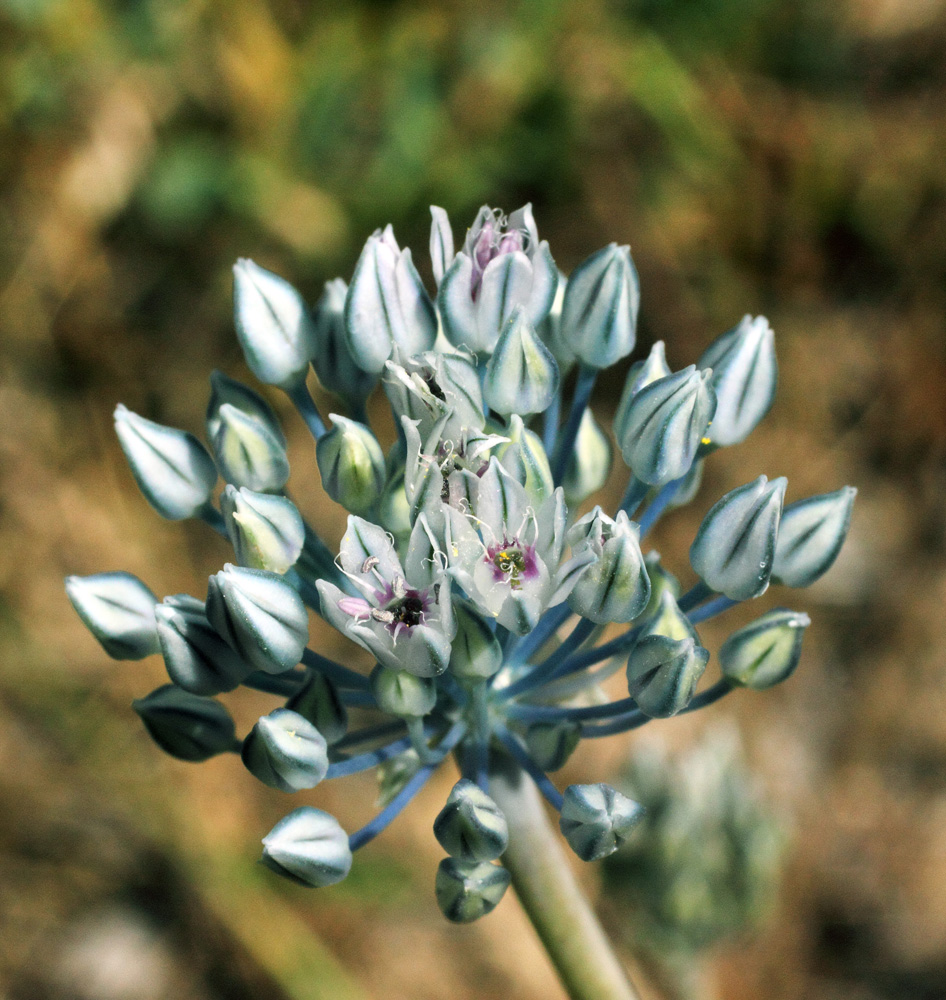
(484, 614)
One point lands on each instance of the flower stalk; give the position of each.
(552, 898)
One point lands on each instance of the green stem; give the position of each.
(549, 892)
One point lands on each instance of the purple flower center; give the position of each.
(491, 242)
(512, 562)
(403, 608)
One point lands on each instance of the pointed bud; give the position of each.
(248, 452)
(467, 892)
(766, 651)
(550, 744)
(197, 658)
(550, 330)
(224, 389)
(521, 376)
(332, 360)
(286, 751)
(665, 618)
(810, 537)
(471, 827)
(401, 693)
(308, 847)
(267, 532)
(394, 509)
(118, 609)
(260, 615)
(615, 586)
(441, 243)
(661, 579)
(394, 774)
(599, 314)
(589, 463)
(524, 458)
(475, 652)
(387, 305)
(744, 377)
(664, 425)
(171, 467)
(184, 725)
(351, 464)
(662, 674)
(640, 375)
(273, 324)
(734, 547)
(597, 819)
(318, 702)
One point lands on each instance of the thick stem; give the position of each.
(550, 894)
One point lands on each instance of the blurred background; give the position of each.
(775, 156)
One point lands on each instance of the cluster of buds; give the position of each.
(675, 900)
(475, 594)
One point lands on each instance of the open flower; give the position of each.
(405, 618)
(443, 469)
(507, 555)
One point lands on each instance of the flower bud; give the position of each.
(665, 618)
(332, 360)
(523, 457)
(471, 827)
(387, 305)
(521, 376)
(308, 847)
(248, 452)
(550, 744)
(118, 609)
(662, 674)
(171, 467)
(640, 374)
(599, 313)
(394, 509)
(744, 377)
(318, 701)
(401, 693)
(475, 652)
(286, 751)
(766, 651)
(441, 243)
(661, 579)
(550, 330)
(810, 537)
(351, 464)
(467, 892)
(184, 725)
(597, 819)
(196, 657)
(273, 324)
(734, 547)
(267, 532)
(260, 615)
(615, 586)
(224, 389)
(394, 774)
(589, 463)
(664, 425)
